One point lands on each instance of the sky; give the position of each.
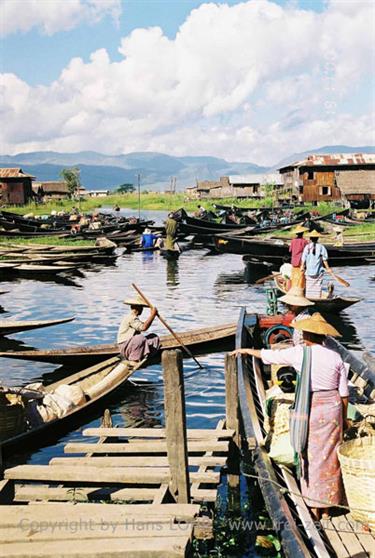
(255, 80)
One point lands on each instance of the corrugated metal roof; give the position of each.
(356, 182)
(335, 159)
(270, 178)
(14, 173)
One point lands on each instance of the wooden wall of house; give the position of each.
(17, 192)
(322, 187)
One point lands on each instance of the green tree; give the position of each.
(72, 179)
(125, 189)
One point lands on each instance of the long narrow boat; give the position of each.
(300, 536)
(327, 305)
(278, 250)
(7, 327)
(198, 341)
(97, 383)
(30, 269)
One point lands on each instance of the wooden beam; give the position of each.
(114, 475)
(97, 512)
(175, 419)
(192, 433)
(43, 492)
(145, 446)
(232, 419)
(163, 547)
(136, 461)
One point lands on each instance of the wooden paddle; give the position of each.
(178, 339)
(264, 279)
(339, 279)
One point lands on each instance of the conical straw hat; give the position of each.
(314, 234)
(136, 301)
(316, 324)
(295, 297)
(300, 229)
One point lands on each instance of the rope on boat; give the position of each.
(284, 490)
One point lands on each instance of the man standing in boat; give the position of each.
(133, 345)
(296, 249)
(170, 232)
(314, 262)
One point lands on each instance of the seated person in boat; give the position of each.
(297, 304)
(314, 262)
(133, 345)
(320, 413)
(296, 249)
(148, 239)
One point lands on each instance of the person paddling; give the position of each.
(296, 249)
(314, 262)
(133, 345)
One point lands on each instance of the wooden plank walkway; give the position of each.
(65, 514)
(348, 537)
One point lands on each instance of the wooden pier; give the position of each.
(134, 492)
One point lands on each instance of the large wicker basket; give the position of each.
(12, 420)
(357, 459)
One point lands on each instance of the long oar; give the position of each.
(264, 279)
(339, 279)
(178, 339)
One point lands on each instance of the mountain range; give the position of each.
(100, 171)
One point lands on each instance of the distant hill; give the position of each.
(100, 171)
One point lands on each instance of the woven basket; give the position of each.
(12, 420)
(357, 459)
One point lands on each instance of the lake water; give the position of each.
(196, 291)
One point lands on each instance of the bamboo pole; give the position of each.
(177, 337)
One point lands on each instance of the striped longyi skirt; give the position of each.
(321, 483)
(314, 286)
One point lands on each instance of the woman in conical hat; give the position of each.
(133, 345)
(314, 262)
(298, 305)
(320, 410)
(296, 249)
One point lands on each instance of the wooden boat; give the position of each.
(30, 269)
(198, 341)
(7, 327)
(324, 305)
(97, 382)
(278, 250)
(300, 535)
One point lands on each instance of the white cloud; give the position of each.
(52, 16)
(254, 81)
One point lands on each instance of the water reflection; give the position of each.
(172, 273)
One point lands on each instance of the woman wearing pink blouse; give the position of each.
(321, 483)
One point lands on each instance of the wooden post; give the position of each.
(175, 424)
(232, 419)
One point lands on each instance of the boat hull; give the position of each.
(199, 341)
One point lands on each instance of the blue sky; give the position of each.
(38, 59)
(275, 89)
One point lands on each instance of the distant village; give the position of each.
(346, 177)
